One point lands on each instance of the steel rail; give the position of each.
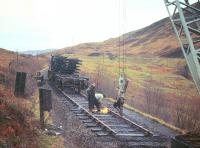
(89, 114)
(131, 123)
(107, 127)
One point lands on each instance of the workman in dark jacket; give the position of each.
(91, 96)
(119, 104)
(92, 99)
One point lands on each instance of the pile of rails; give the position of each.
(65, 65)
(64, 72)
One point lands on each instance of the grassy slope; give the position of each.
(14, 123)
(18, 116)
(139, 69)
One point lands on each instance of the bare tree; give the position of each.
(187, 113)
(154, 97)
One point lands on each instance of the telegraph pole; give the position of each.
(17, 57)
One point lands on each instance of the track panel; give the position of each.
(107, 124)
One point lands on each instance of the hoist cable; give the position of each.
(123, 35)
(103, 64)
(125, 50)
(119, 50)
(124, 30)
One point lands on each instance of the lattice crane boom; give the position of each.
(185, 19)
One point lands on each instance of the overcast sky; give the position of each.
(43, 24)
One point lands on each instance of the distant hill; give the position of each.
(37, 52)
(158, 39)
(8, 57)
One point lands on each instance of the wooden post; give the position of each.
(42, 118)
(20, 84)
(42, 126)
(45, 104)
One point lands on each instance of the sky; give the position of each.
(45, 24)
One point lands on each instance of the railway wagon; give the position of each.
(64, 73)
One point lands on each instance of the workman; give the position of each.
(91, 96)
(94, 99)
(98, 99)
(119, 104)
(123, 84)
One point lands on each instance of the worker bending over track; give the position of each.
(99, 97)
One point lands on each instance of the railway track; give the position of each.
(111, 123)
(104, 124)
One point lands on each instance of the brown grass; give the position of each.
(16, 119)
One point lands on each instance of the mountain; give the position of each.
(37, 52)
(158, 39)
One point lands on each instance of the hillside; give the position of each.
(158, 39)
(6, 57)
(17, 118)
